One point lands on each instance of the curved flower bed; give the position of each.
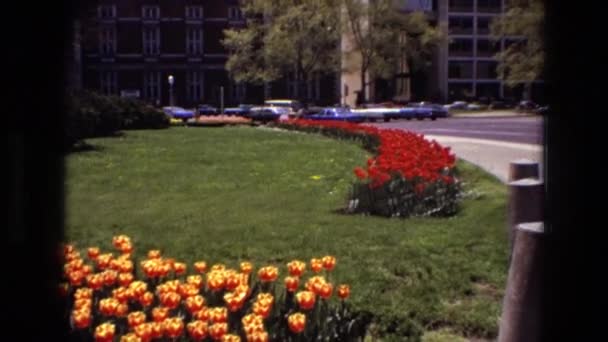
(408, 176)
(105, 300)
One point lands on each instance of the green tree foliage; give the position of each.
(382, 37)
(522, 61)
(296, 37)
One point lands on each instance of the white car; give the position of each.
(372, 114)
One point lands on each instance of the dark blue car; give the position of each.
(336, 114)
(241, 110)
(431, 111)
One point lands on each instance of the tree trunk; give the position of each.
(362, 95)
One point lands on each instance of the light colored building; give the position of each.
(463, 66)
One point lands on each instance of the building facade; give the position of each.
(463, 68)
(131, 47)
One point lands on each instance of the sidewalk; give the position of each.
(491, 114)
(492, 156)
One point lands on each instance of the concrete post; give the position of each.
(521, 313)
(526, 201)
(523, 168)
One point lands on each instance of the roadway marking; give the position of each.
(476, 132)
(519, 146)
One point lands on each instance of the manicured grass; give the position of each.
(240, 193)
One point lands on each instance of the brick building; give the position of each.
(131, 47)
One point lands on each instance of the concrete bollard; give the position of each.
(526, 202)
(521, 312)
(523, 168)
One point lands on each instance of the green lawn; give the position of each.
(235, 193)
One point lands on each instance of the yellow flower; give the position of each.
(315, 177)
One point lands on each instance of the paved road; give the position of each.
(491, 143)
(526, 130)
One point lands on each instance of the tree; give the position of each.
(297, 37)
(523, 60)
(382, 37)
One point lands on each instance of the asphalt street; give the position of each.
(526, 130)
(492, 143)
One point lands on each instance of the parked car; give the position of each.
(338, 114)
(293, 106)
(266, 114)
(456, 105)
(241, 110)
(429, 110)
(475, 106)
(371, 114)
(527, 105)
(179, 113)
(205, 109)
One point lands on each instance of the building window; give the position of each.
(152, 86)
(194, 86)
(194, 40)
(460, 25)
(107, 41)
(483, 25)
(458, 69)
(109, 84)
(488, 6)
(234, 13)
(461, 48)
(460, 91)
(194, 12)
(106, 12)
(151, 40)
(487, 91)
(487, 48)
(460, 6)
(150, 12)
(486, 70)
(314, 87)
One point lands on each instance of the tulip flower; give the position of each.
(296, 268)
(173, 327)
(170, 299)
(195, 280)
(215, 280)
(83, 292)
(81, 318)
(235, 300)
(204, 314)
(154, 254)
(138, 287)
(246, 267)
(160, 313)
(120, 293)
(218, 267)
(268, 274)
(157, 329)
(146, 299)
(136, 318)
(124, 279)
(316, 265)
(179, 268)
(75, 278)
(103, 260)
(261, 309)
(200, 266)
(265, 298)
(329, 262)
(258, 336)
(326, 290)
(194, 303)
(217, 330)
(218, 315)
(109, 277)
(343, 291)
(306, 300)
(292, 283)
(86, 303)
(105, 332)
(297, 322)
(231, 338)
(197, 330)
(108, 306)
(95, 281)
(143, 331)
(130, 337)
(232, 280)
(121, 310)
(252, 319)
(126, 266)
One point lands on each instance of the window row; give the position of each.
(464, 48)
(464, 70)
(150, 40)
(153, 12)
(483, 6)
(194, 86)
(464, 25)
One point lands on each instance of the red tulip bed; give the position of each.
(408, 176)
(109, 299)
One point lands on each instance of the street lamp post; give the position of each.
(171, 80)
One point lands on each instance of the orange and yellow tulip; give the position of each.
(159, 313)
(306, 300)
(292, 283)
(343, 291)
(197, 330)
(316, 265)
(297, 322)
(136, 318)
(173, 327)
(105, 332)
(268, 273)
(246, 267)
(200, 266)
(217, 330)
(194, 303)
(329, 262)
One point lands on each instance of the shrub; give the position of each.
(409, 175)
(106, 300)
(92, 115)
